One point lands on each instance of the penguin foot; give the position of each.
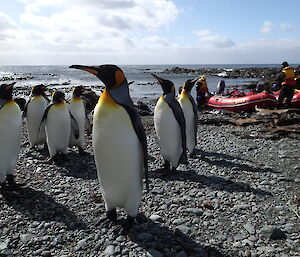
(3, 187)
(183, 159)
(167, 166)
(110, 219)
(63, 157)
(81, 151)
(112, 215)
(11, 183)
(128, 223)
(193, 155)
(11, 180)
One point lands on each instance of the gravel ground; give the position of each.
(238, 197)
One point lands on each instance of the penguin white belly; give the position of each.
(168, 132)
(10, 138)
(58, 126)
(77, 109)
(119, 158)
(35, 111)
(189, 117)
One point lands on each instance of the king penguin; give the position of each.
(190, 112)
(119, 144)
(33, 112)
(57, 120)
(10, 135)
(77, 110)
(170, 127)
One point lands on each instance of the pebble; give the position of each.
(154, 253)
(227, 202)
(184, 229)
(109, 250)
(145, 237)
(26, 237)
(181, 254)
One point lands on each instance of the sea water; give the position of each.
(144, 85)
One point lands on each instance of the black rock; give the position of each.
(277, 234)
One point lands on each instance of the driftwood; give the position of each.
(263, 112)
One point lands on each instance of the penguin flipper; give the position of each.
(139, 130)
(88, 125)
(2, 103)
(74, 126)
(25, 110)
(195, 109)
(179, 116)
(43, 119)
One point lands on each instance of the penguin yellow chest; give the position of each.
(118, 155)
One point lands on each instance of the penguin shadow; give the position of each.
(38, 206)
(156, 237)
(225, 160)
(213, 182)
(78, 166)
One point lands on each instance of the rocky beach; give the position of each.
(238, 197)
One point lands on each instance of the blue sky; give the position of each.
(44, 32)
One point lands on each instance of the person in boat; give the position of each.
(286, 80)
(202, 90)
(263, 85)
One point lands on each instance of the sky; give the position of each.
(64, 32)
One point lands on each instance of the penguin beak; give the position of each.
(194, 80)
(85, 68)
(161, 81)
(10, 86)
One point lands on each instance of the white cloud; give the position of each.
(267, 27)
(218, 41)
(288, 27)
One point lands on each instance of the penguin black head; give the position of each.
(78, 91)
(38, 90)
(58, 97)
(111, 75)
(166, 85)
(6, 91)
(188, 85)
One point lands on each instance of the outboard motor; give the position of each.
(220, 88)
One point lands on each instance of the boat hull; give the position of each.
(295, 103)
(244, 103)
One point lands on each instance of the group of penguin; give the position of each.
(56, 124)
(118, 137)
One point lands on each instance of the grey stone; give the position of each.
(184, 229)
(250, 228)
(4, 244)
(154, 253)
(145, 237)
(181, 254)
(109, 250)
(26, 237)
(200, 251)
(194, 211)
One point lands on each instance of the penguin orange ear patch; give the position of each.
(119, 76)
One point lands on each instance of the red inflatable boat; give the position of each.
(244, 103)
(295, 103)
